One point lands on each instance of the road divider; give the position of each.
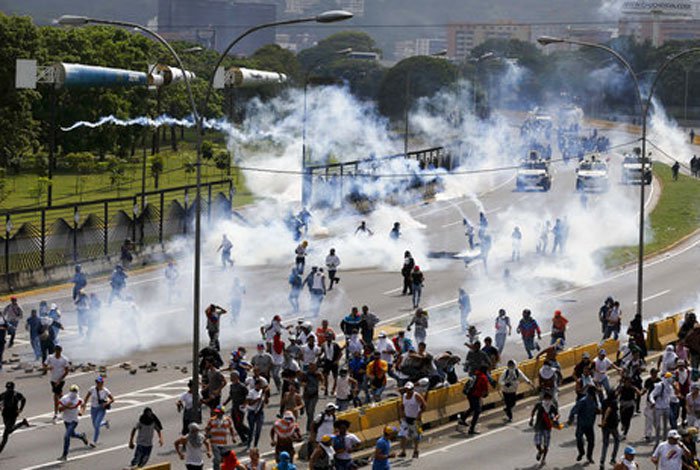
(444, 403)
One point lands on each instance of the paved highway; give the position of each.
(543, 284)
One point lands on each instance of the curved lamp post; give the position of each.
(331, 16)
(644, 106)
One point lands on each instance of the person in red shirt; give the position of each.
(559, 323)
(475, 390)
(230, 461)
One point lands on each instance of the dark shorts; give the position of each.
(330, 367)
(57, 387)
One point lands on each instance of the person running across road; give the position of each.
(343, 445)
(660, 400)
(601, 365)
(171, 276)
(332, 263)
(475, 389)
(410, 412)
(406, 270)
(225, 248)
(503, 329)
(465, 308)
(609, 423)
(417, 280)
(255, 412)
(191, 448)
(613, 321)
(559, 323)
(13, 314)
(516, 240)
(395, 233)
(59, 365)
(362, 228)
(218, 429)
(542, 419)
(420, 320)
(668, 454)
(585, 411)
(185, 406)
(300, 259)
(627, 461)
(144, 430)
(318, 291)
(509, 380)
(118, 283)
(283, 434)
(70, 404)
(12, 403)
(382, 450)
(295, 285)
(213, 313)
(33, 326)
(79, 281)
(100, 399)
(528, 328)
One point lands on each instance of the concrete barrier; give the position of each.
(353, 417)
(373, 418)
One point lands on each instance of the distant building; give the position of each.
(356, 7)
(300, 6)
(419, 46)
(215, 23)
(463, 37)
(659, 22)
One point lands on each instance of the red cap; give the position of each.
(557, 313)
(416, 268)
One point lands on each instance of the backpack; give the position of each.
(469, 385)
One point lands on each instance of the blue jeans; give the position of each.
(500, 342)
(529, 342)
(36, 346)
(70, 433)
(417, 290)
(141, 456)
(255, 424)
(97, 415)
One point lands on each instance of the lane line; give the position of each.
(392, 291)
(653, 296)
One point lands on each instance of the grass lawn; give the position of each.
(676, 215)
(72, 187)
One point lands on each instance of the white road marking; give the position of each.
(392, 291)
(653, 296)
(452, 224)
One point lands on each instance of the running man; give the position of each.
(410, 411)
(332, 263)
(542, 419)
(101, 400)
(12, 404)
(70, 404)
(225, 249)
(528, 328)
(59, 365)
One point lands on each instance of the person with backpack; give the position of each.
(323, 455)
(542, 419)
(406, 270)
(100, 399)
(12, 403)
(476, 389)
(117, 282)
(79, 281)
(509, 381)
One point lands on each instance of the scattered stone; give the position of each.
(183, 370)
(13, 359)
(133, 371)
(143, 366)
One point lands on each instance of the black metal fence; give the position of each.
(36, 238)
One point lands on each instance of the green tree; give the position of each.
(207, 150)
(326, 51)
(416, 76)
(273, 58)
(40, 188)
(222, 161)
(362, 76)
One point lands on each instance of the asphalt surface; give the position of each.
(670, 282)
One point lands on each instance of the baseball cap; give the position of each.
(673, 434)
(629, 450)
(218, 409)
(557, 313)
(409, 386)
(277, 318)
(390, 430)
(382, 334)
(331, 406)
(602, 351)
(74, 388)
(586, 355)
(288, 416)
(668, 375)
(326, 439)
(99, 379)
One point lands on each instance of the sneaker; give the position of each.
(83, 438)
(63, 458)
(579, 457)
(539, 455)
(474, 433)
(415, 454)
(54, 419)
(24, 423)
(402, 454)
(106, 424)
(92, 445)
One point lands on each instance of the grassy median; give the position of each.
(676, 215)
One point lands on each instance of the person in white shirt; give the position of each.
(332, 263)
(70, 404)
(343, 444)
(668, 455)
(692, 405)
(667, 362)
(503, 329)
(660, 399)
(601, 365)
(101, 400)
(309, 352)
(627, 461)
(509, 381)
(59, 366)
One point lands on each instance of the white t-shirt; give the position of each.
(253, 395)
(58, 366)
(354, 344)
(601, 367)
(670, 456)
(95, 395)
(73, 400)
(502, 325)
(351, 441)
(186, 399)
(309, 355)
(386, 349)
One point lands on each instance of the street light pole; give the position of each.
(644, 106)
(477, 61)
